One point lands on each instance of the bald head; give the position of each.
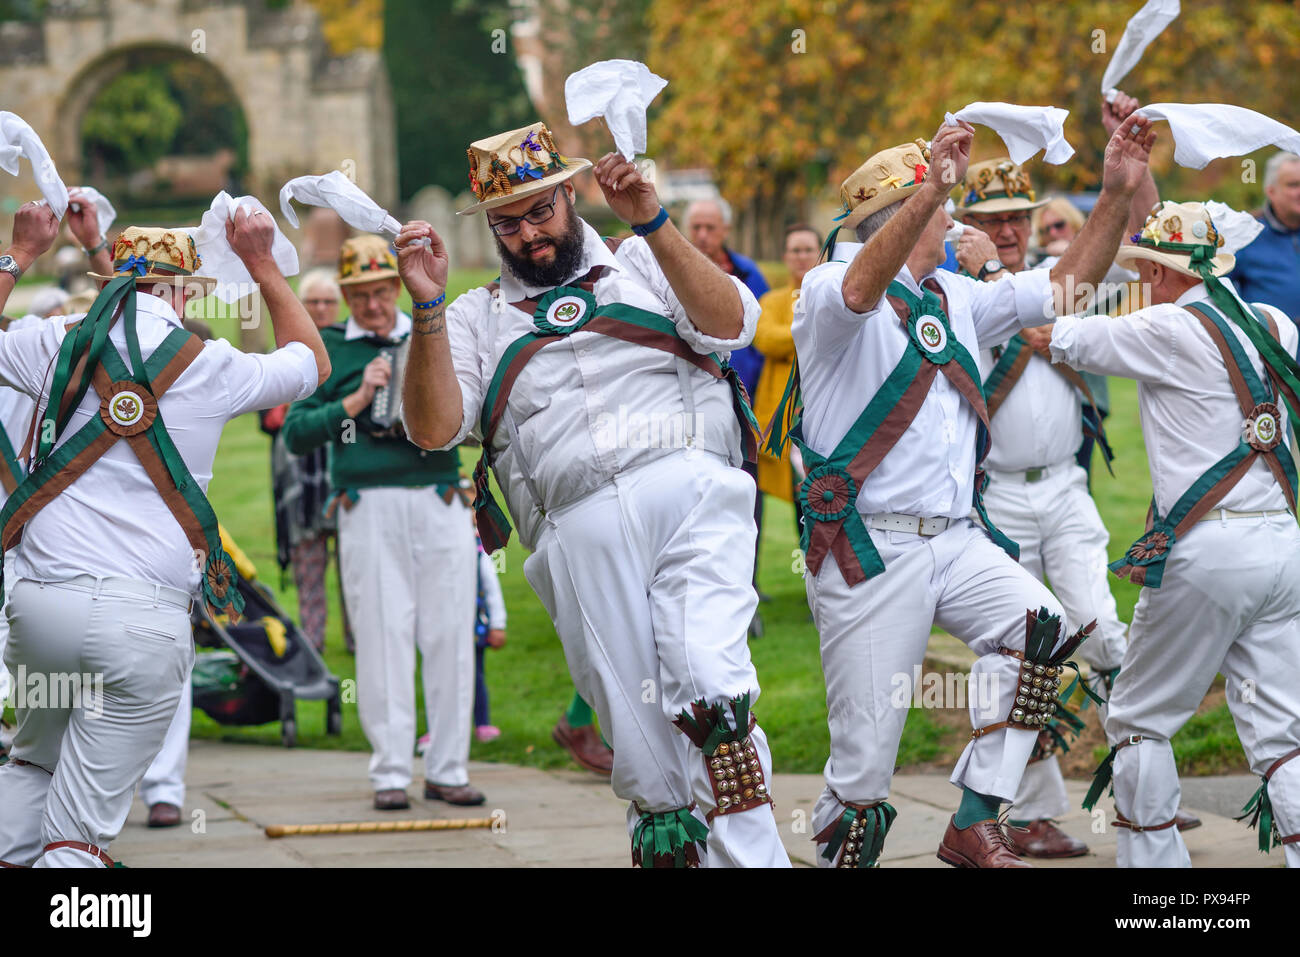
(708, 224)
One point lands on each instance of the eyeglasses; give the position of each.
(1059, 226)
(537, 215)
(1015, 219)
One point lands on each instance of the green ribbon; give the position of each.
(666, 835)
(1262, 818)
(874, 824)
(1100, 779)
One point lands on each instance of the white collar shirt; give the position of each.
(111, 521)
(590, 406)
(1190, 415)
(401, 329)
(1039, 423)
(845, 357)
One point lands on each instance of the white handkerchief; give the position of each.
(337, 192)
(17, 140)
(1145, 26)
(618, 90)
(954, 234)
(219, 259)
(107, 214)
(1024, 129)
(1238, 229)
(1206, 131)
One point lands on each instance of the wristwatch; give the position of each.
(10, 265)
(102, 244)
(989, 268)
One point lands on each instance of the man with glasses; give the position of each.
(406, 543)
(598, 381)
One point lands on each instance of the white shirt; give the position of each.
(1039, 423)
(111, 521)
(1190, 415)
(845, 357)
(589, 406)
(16, 407)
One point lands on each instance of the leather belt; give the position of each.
(1223, 514)
(1035, 474)
(916, 524)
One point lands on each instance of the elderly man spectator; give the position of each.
(1268, 270)
(708, 224)
(406, 542)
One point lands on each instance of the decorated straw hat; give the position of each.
(997, 186)
(157, 254)
(366, 258)
(890, 176)
(1180, 236)
(509, 166)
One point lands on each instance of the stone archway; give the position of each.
(307, 112)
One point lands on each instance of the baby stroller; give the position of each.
(264, 663)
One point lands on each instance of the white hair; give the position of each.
(49, 301)
(1273, 169)
(724, 208)
(319, 278)
(872, 224)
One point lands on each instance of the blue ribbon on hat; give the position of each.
(526, 171)
(137, 263)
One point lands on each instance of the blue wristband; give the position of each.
(431, 304)
(654, 224)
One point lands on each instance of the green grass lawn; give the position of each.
(528, 680)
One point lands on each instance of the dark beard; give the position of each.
(568, 257)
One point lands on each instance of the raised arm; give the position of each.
(1084, 264)
(705, 292)
(250, 236)
(880, 259)
(84, 223)
(35, 227)
(431, 398)
(1147, 195)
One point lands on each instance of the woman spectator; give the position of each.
(772, 338)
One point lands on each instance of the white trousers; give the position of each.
(409, 574)
(86, 757)
(164, 782)
(11, 579)
(874, 635)
(649, 583)
(1229, 604)
(1063, 541)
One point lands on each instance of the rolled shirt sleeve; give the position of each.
(1141, 345)
(636, 254)
(263, 381)
(1001, 309)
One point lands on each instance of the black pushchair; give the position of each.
(264, 665)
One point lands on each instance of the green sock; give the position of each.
(579, 714)
(976, 807)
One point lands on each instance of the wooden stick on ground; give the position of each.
(382, 827)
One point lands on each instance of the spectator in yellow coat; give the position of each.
(772, 338)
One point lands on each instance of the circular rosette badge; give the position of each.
(128, 409)
(829, 493)
(564, 310)
(1152, 547)
(1263, 428)
(931, 334)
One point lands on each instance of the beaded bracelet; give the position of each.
(431, 304)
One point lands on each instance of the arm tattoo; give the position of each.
(429, 322)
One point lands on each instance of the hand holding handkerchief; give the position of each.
(620, 91)
(335, 191)
(1024, 129)
(218, 258)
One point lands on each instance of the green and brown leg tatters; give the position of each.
(668, 838)
(857, 836)
(721, 732)
(1260, 810)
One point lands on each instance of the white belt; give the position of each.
(916, 524)
(1223, 514)
(118, 587)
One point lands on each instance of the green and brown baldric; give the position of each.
(1009, 365)
(1260, 438)
(128, 409)
(556, 315)
(829, 494)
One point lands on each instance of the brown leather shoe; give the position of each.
(584, 746)
(983, 844)
(1185, 820)
(163, 814)
(1044, 839)
(392, 799)
(466, 795)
